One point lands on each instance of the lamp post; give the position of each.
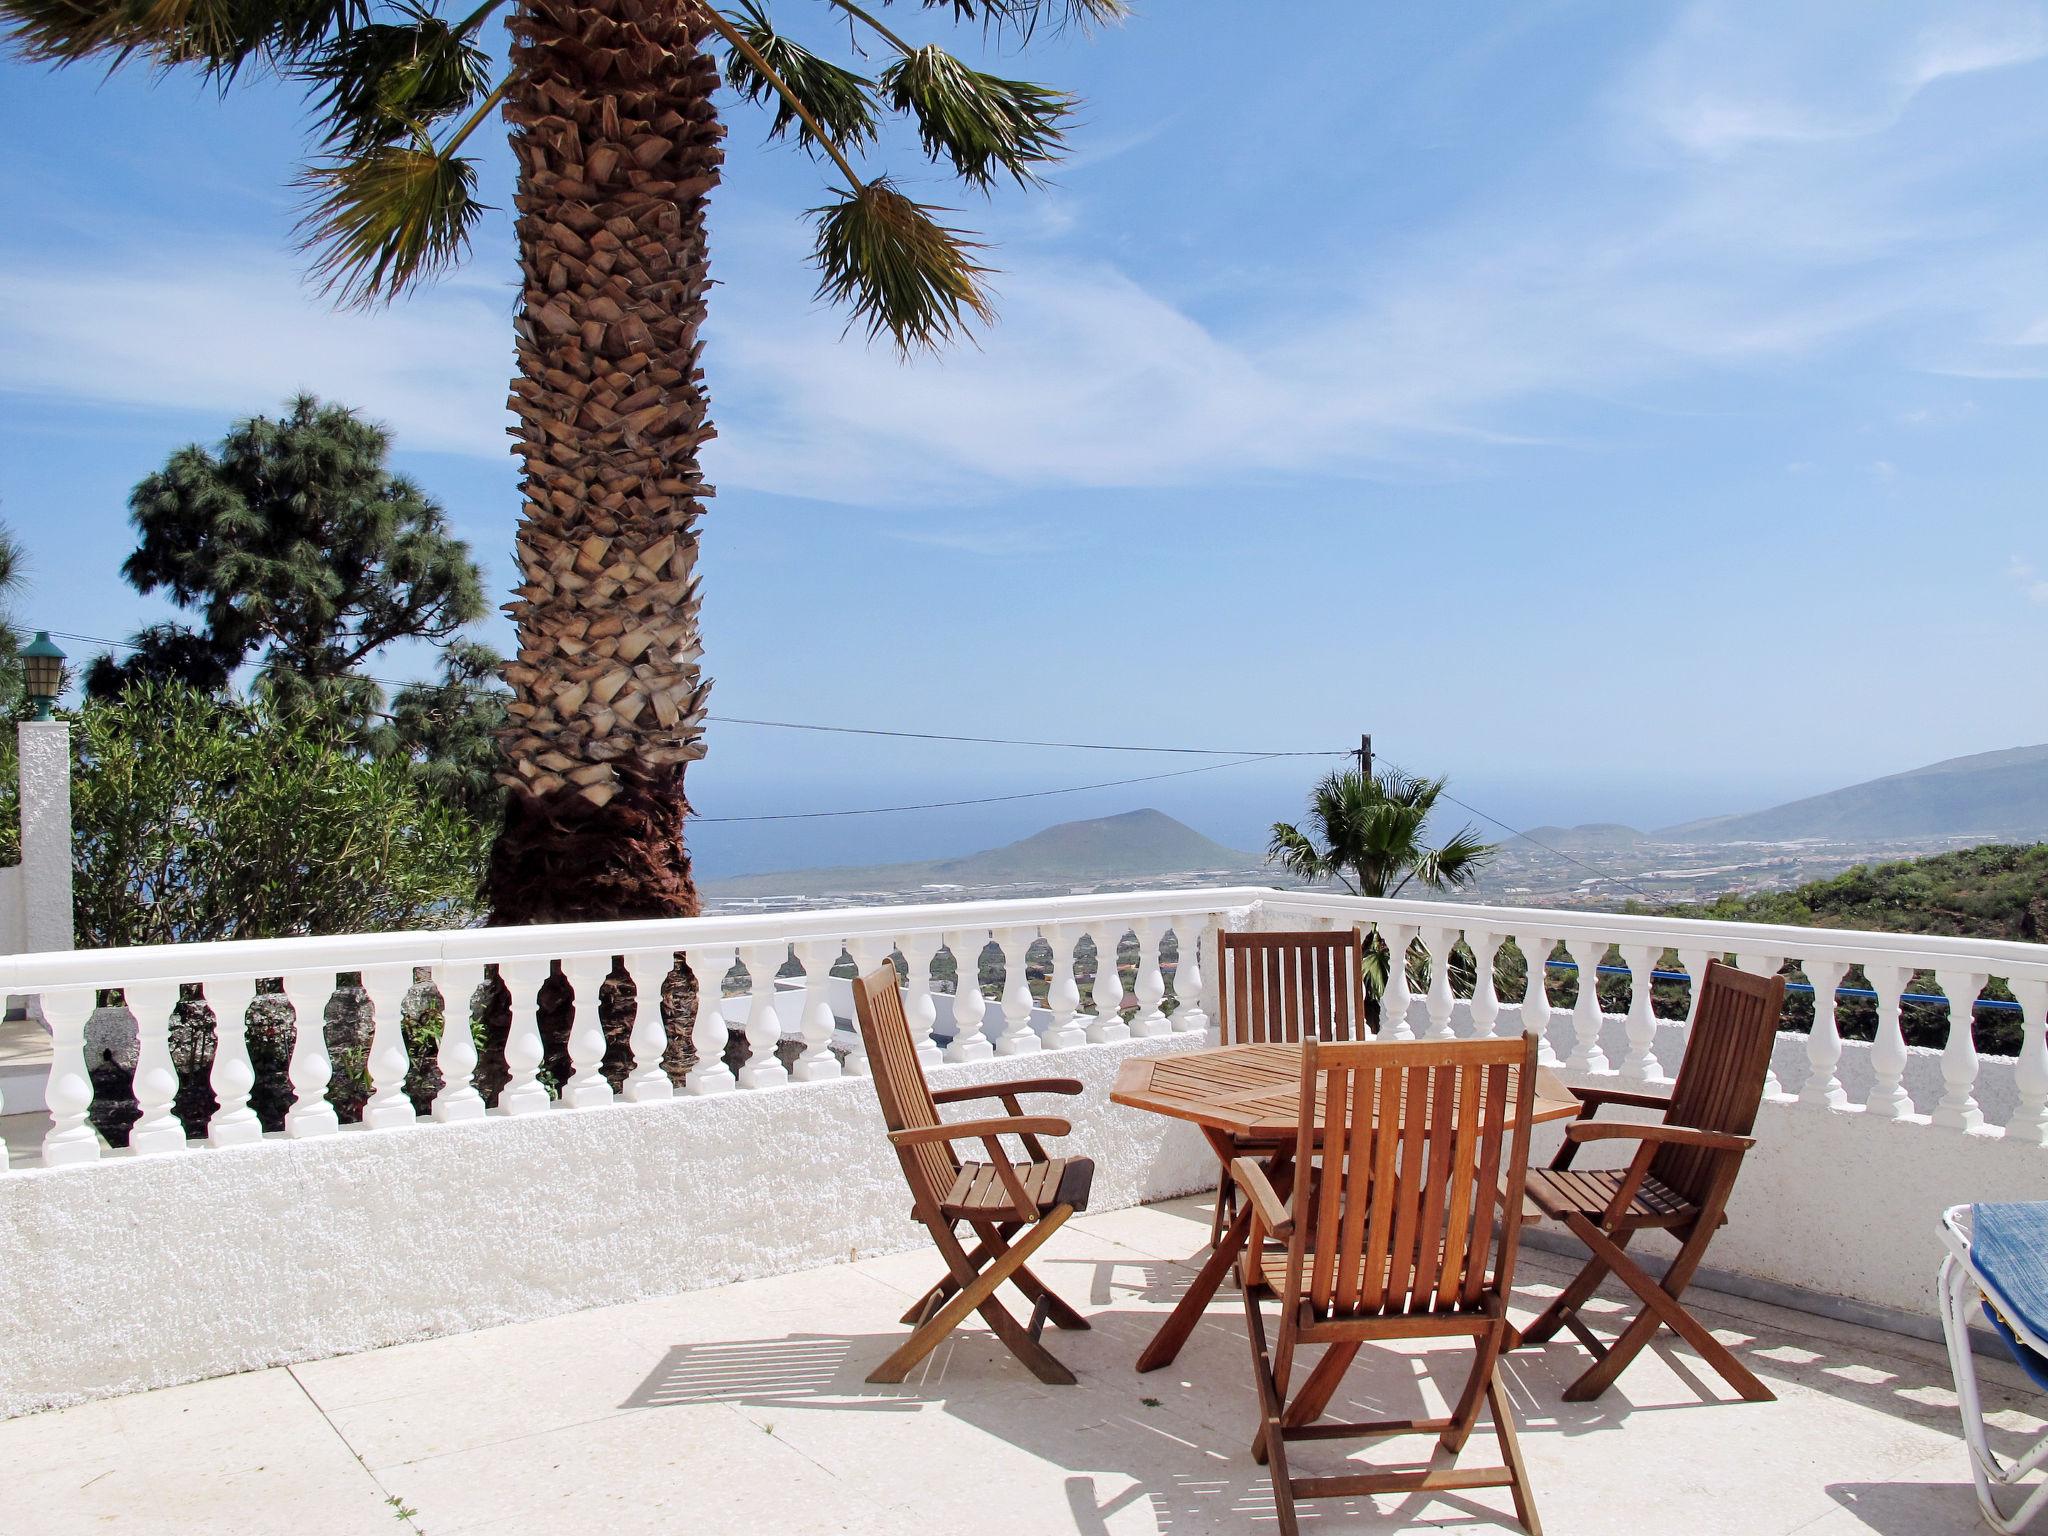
(42, 666)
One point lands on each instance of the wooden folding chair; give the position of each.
(1679, 1180)
(996, 1200)
(1395, 1240)
(1283, 987)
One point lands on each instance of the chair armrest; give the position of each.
(1065, 1085)
(1590, 1099)
(1668, 1135)
(1274, 1216)
(977, 1130)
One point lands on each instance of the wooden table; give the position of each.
(1246, 1099)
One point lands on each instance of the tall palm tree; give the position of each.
(1366, 833)
(617, 136)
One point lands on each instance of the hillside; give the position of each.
(1988, 794)
(1127, 846)
(1993, 892)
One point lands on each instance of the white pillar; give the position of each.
(1888, 1097)
(1438, 943)
(458, 1098)
(1017, 1038)
(1640, 1065)
(709, 1074)
(1485, 948)
(2030, 1072)
(311, 1068)
(523, 1093)
(70, 1138)
(1063, 993)
(45, 747)
(648, 1083)
(386, 986)
(156, 1079)
(1394, 1002)
(1535, 948)
(970, 1008)
(587, 1087)
(764, 1026)
(921, 1009)
(1190, 992)
(234, 1122)
(1823, 1085)
(1958, 1108)
(1149, 984)
(818, 1064)
(1108, 988)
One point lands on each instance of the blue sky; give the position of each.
(1634, 412)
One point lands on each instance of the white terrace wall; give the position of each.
(141, 1272)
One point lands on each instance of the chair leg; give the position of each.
(1567, 1302)
(1270, 1445)
(977, 1292)
(1465, 1413)
(1321, 1384)
(995, 1240)
(1660, 1307)
(1511, 1452)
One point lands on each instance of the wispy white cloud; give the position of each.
(2031, 584)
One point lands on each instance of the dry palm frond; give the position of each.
(1025, 16)
(837, 99)
(975, 120)
(898, 269)
(387, 217)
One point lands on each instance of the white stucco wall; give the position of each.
(140, 1272)
(44, 890)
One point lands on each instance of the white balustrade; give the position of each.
(311, 1067)
(1888, 1098)
(1694, 963)
(458, 1099)
(648, 1082)
(1958, 1107)
(523, 1093)
(1108, 988)
(1190, 980)
(1149, 985)
(1438, 943)
(1640, 1065)
(587, 1088)
(1485, 947)
(234, 1123)
(921, 1009)
(1535, 946)
(385, 986)
(1823, 1086)
(708, 967)
(1587, 1055)
(1017, 1038)
(970, 1008)
(156, 1079)
(764, 1026)
(869, 951)
(1394, 1005)
(2029, 1120)
(818, 1064)
(1063, 993)
(71, 1138)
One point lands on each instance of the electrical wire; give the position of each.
(1006, 741)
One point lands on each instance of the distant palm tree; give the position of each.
(1366, 832)
(616, 129)
(12, 562)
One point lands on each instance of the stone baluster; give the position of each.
(1958, 1109)
(523, 1093)
(234, 1123)
(1108, 989)
(1017, 1038)
(764, 1025)
(1394, 1005)
(1485, 949)
(156, 1079)
(458, 1099)
(1888, 1097)
(818, 1064)
(1149, 984)
(709, 1073)
(1640, 1065)
(1190, 980)
(1535, 948)
(71, 1138)
(311, 1067)
(648, 1083)
(920, 1008)
(385, 986)
(1761, 964)
(1438, 943)
(1063, 990)
(970, 1008)
(2029, 1121)
(1587, 1054)
(1823, 1085)
(587, 1088)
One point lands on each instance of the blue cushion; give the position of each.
(2009, 1251)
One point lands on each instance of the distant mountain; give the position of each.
(1593, 837)
(1988, 794)
(1128, 846)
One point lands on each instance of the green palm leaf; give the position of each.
(381, 219)
(384, 81)
(975, 120)
(897, 268)
(837, 98)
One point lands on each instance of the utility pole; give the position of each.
(1365, 754)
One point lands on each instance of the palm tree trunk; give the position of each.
(618, 146)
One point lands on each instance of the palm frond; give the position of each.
(219, 36)
(387, 218)
(977, 121)
(385, 81)
(1024, 17)
(897, 268)
(840, 100)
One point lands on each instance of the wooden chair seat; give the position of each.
(1271, 1277)
(979, 1194)
(1590, 1192)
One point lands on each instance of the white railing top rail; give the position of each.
(241, 958)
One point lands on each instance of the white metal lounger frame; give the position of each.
(1962, 1289)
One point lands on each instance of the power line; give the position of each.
(1007, 741)
(1030, 794)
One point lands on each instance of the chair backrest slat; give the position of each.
(1289, 987)
(899, 1083)
(1416, 1137)
(1721, 1077)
